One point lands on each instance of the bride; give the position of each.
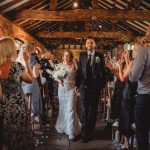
(67, 121)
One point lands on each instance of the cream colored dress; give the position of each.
(67, 121)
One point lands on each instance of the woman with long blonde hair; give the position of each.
(16, 132)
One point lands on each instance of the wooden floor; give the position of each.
(54, 141)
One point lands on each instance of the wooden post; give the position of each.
(53, 4)
(87, 25)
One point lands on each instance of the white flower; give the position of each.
(59, 73)
(97, 59)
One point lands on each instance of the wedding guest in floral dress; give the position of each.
(67, 121)
(16, 133)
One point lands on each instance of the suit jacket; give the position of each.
(98, 71)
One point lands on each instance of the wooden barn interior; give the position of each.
(58, 25)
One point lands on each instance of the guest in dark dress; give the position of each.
(118, 88)
(116, 99)
(128, 100)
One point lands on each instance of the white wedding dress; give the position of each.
(67, 121)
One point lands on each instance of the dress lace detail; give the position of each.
(67, 121)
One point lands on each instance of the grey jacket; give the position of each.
(140, 71)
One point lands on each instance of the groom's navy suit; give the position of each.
(90, 80)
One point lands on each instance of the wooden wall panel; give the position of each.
(14, 31)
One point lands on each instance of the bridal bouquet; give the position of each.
(60, 72)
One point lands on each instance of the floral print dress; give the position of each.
(16, 133)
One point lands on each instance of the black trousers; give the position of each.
(89, 104)
(142, 119)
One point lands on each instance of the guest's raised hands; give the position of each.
(26, 56)
(126, 57)
(119, 64)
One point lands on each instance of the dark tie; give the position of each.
(89, 60)
(89, 72)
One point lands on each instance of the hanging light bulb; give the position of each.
(75, 4)
(100, 26)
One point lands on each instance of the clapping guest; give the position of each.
(128, 100)
(140, 72)
(118, 88)
(16, 133)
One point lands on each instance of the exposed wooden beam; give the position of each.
(113, 35)
(35, 25)
(82, 14)
(53, 4)
(87, 25)
(5, 2)
(18, 4)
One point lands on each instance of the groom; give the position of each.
(90, 79)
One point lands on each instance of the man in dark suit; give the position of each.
(90, 79)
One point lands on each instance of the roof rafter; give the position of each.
(113, 35)
(82, 14)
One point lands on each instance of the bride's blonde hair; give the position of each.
(7, 49)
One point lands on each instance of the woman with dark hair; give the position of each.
(67, 121)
